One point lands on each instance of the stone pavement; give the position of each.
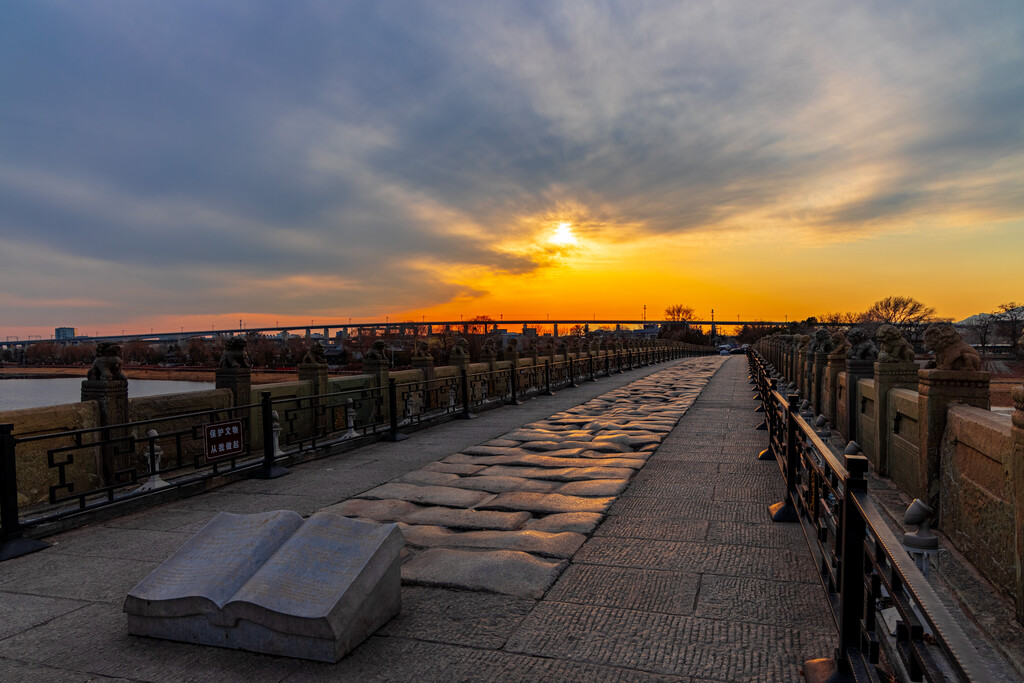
(513, 570)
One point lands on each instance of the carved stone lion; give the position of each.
(513, 345)
(805, 341)
(422, 350)
(315, 354)
(951, 352)
(107, 365)
(840, 347)
(861, 346)
(376, 351)
(461, 348)
(234, 355)
(489, 345)
(821, 341)
(893, 348)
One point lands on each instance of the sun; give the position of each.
(562, 235)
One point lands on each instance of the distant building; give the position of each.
(65, 333)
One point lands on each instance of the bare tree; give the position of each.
(901, 311)
(1010, 319)
(838, 321)
(982, 326)
(678, 313)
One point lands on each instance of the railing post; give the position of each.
(269, 469)
(513, 385)
(547, 379)
(851, 560)
(590, 366)
(393, 434)
(572, 373)
(12, 541)
(466, 414)
(785, 511)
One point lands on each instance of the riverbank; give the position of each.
(179, 374)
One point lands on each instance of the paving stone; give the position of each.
(598, 487)
(502, 443)
(427, 477)
(502, 484)
(452, 469)
(427, 495)
(654, 529)
(498, 571)
(648, 554)
(399, 659)
(560, 545)
(549, 435)
(580, 522)
(480, 620)
(781, 603)
(560, 474)
(544, 503)
(22, 612)
(554, 459)
(671, 592)
(605, 447)
(668, 508)
(634, 441)
(404, 511)
(666, 643)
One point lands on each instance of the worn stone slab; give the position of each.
(424, 477)
(628, 439)
(559, 474)
(427, 495)
(503, 484)
(502, 443)
(449, 468)
(549, 435)
(579, 522)
(274, 583)
(597, 487)
(497, 571)
(560, 545)
(605, 447)
(404, 511)
(544, 503)
(553, 459)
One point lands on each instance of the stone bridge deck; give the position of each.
(617, 531)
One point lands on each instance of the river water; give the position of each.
(34, 393)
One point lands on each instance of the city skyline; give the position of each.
(189, 164)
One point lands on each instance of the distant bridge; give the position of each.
(386, 328)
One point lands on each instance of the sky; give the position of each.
(177, 163)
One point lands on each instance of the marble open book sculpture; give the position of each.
(274, 583)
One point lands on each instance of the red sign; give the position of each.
(223, 439)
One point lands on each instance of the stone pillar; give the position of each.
(316, 373)
(239, 381)
(937, 390)
(830, 385)
(888, 376)
(1017, 475)
(107, 385)
(376, 365)
(818, 381)
(424, 362)
(800, 373)
(856, 370)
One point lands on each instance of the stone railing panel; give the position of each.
(905, 466)
(977, 506)
(866, 404)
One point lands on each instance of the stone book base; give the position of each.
(274, 583)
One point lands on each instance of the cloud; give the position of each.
(240, 156)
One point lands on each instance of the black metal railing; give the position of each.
(870, 580)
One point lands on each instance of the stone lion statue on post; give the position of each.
(107, 365)
(893, 348)
(951, 351)
(840, 346)
(234, 355)
(861, 346)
